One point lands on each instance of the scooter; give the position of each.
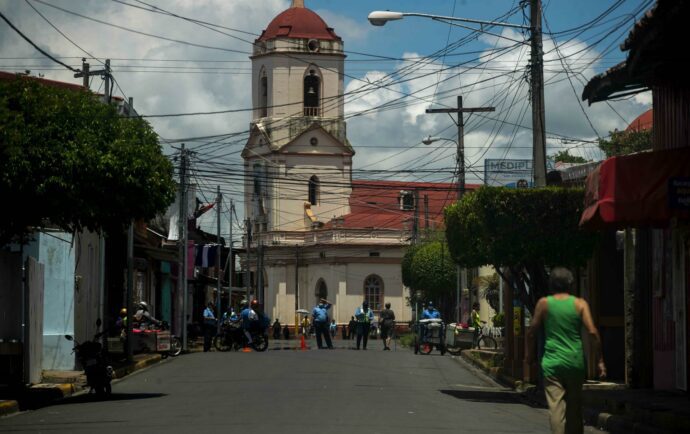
(93, 358)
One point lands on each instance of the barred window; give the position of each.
(373, 291)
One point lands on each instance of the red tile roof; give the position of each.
(53, 83)
(376, 204)
(298, 22)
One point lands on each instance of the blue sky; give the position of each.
(164, 76)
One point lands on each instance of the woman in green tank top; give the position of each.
(563, 316)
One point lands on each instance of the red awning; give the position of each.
(640, 190)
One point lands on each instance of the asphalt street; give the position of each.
(291, 391)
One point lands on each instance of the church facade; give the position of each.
(315, 231)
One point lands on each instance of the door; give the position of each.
(680, 304)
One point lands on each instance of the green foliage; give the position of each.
(498, 320)
(70, 161)
(406, 264)
(432, 270)
(489, 287)
(524, 230)
(626, 142)
(505, 227)
(407, 340)
(565, 157)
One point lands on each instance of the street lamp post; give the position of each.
(380, 18)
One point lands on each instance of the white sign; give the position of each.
(509, 173)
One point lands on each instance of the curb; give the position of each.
(8, 407)
(612, 423)
(43, 394)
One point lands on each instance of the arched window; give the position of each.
(263, 95)
(321, 290)
(373, 291)
(314, 190)
(312, 91)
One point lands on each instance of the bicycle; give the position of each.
(485, 341)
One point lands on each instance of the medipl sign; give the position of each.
(510, 173)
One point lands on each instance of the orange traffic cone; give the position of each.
(302, 344)
(246, 349)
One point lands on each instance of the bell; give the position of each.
(311, 91)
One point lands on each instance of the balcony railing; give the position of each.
(312, 111)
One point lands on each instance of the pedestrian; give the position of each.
(286, 332)
(276, 329)
(305, 326)
(351, 328)
(387, 320)
(320, 316)
(562, 315)
(476, 323)
(364, 317)
(209, 326)
(333, 328)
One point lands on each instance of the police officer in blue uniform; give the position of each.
(320, 317)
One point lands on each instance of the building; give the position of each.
(316, 232)
(646, 195)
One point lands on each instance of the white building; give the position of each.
(315, 227)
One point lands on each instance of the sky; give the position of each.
(393, 73)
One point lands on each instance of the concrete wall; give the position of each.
(87, 294)
(54, 249)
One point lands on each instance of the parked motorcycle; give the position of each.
(94, 360)
(232, 337)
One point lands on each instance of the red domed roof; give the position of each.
(298, 22)
(643, 122)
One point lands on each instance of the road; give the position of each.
(288, 391)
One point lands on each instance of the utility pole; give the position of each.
(230, 265)
(247, 275)
(460, 161)
(426, 215)
(296, 289)
(537, 91)
(415, 224)
(181, 236)
(219, 287)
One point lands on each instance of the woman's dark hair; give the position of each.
(388, 305)
(561, 280)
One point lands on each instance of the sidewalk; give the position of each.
(610, 407)
(57, 385)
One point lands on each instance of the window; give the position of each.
(406, 200)
(263, 96)
(312, 89)
(314, 190)
(373, 291)
(321, 290)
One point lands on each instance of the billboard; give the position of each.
(510, 172)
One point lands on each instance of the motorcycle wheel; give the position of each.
(260, 343)
(175, 346)
(426, 348)
(221, 343)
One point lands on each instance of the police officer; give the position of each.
(430, 312)
(320, 316)
(364, 316)
(209, 326)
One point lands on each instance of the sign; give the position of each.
(510, 172)
(679, 193)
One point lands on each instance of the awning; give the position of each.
(640, 190)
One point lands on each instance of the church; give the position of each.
(315, 232)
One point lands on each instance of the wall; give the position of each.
(54, 250)
(87, 285)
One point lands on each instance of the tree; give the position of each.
(522, 230)
(429, 271)
(488, 288)
(626, 142)
(565, 157)
(69, 161)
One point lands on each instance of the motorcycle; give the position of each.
(232, 337)
(93, 358)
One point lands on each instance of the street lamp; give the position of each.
(380, 18)
(459, 271)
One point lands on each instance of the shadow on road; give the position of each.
(31, 404)
(498, 396)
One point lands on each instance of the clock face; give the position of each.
(314, 141)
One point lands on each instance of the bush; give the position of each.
(407, 339)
